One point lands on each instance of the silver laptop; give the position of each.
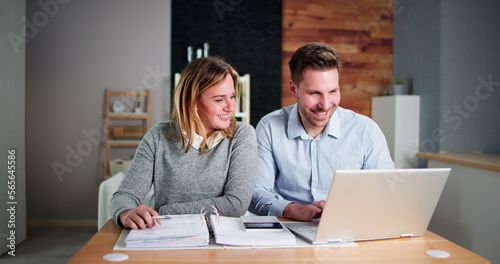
(375, 204)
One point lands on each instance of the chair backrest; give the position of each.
(106, 190)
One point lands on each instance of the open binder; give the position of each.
(177, 232)
(192, 230)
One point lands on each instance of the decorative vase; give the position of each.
(398, 89)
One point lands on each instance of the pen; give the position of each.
(161, 217)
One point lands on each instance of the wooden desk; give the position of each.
(402, 250)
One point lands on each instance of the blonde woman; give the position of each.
(202, 157)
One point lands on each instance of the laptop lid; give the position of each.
(379, 204)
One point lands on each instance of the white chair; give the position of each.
(106, 190)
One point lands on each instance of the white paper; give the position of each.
(230, 231)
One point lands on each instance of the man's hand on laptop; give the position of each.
(304, 212)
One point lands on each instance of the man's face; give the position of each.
(317, 97)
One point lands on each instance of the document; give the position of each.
(179, 231)
(230, 231)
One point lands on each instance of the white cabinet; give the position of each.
(399, 116)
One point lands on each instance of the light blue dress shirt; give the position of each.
(294, 167)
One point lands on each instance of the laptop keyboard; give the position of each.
(309, 233)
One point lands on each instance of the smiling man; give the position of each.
(301, 146)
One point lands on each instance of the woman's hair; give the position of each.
(198, 76)
(316, 56)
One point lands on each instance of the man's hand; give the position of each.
(138, 218)
(304, 212)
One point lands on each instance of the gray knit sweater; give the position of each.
(184, 183)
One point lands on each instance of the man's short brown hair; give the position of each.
(316, 56)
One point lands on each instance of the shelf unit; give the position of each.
(243, 105)
(144, 117)
(242, 110)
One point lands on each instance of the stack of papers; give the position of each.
(230, 231)
(177, 232)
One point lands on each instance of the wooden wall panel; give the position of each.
(360, 31)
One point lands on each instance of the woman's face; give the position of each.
(216, 105)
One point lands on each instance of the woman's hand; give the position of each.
(138, 218)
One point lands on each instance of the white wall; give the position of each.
(76, 49)
(12, 126)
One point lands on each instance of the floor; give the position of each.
(50, 245)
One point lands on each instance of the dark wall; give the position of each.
(246, 33)
(416, 53)
(450, 53)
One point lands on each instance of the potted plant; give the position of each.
(138, 103)
(398, 85)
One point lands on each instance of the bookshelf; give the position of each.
(120, 111)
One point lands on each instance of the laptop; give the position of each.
(375, 204)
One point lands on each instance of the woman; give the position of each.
(202, 157)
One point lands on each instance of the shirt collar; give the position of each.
(295, 128)
(333, 127)
(211, 142)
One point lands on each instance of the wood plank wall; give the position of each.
(360, 31)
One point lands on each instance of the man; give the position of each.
(300, 146)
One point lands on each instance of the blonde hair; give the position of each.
(198, 76)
